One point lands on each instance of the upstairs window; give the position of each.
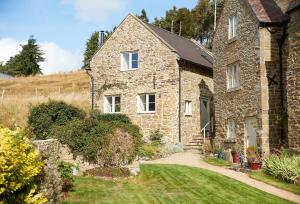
(129, 61)
(233, 76)
(146, 103)
(233, 21)
(231, 129)
(112, 104)
(188, 108)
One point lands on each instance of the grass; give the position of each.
(168, 184)
(216, 161)
(262, 176)
(16, 96)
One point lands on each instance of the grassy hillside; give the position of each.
(16, 96)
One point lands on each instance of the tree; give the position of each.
(143, 16)
(92, 45)
(27, 61)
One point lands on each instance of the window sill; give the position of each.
(129, 70)
(234, 89)
(232, 40)
(147, 112)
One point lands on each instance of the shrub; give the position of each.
(149, 151)
(156, 137)
(284, 166)
(108, 143)
(19, 165)
(110, 117)
(43, 117)
(66, 173)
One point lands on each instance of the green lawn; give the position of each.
(168, 184)
(216, 161)
(261, 176)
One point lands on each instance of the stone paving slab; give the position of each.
(193, 159)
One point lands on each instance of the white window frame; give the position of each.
(231, 129)
(232, 29)
(129, 68)
(141, 109)
(188, 108)
(113, 104)
(233, 76)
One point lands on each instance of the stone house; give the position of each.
(162, 81)
(257, 74)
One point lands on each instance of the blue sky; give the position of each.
(63, 26)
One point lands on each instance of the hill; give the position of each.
(16, 96)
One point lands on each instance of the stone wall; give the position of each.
(244, 102)
(293, 79)
(158, 73)
(196, 82)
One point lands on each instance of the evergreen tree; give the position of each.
(92, 45)
(143, 16)
(27, 61)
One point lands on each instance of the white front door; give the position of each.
(250, 132)
(205, 113)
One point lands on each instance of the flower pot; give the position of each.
(254, 166)
(235, 157)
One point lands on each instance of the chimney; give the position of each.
(101, 38)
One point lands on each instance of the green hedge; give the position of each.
(44, 117)
(110, 117)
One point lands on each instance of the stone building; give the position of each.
(256, 74)
(162, 81)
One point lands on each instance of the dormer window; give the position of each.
(233, 21)
(129, 61)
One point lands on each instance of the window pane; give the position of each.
(143, 102)
(135, 65)
(108, 104)
(125, 63)
(151, 98)
(151, 106)
(117, 104)
(135, 57)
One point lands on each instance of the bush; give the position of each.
(110, 117)
(19, 165)
(66, 173)
(108, 143)
(149, 151)
(156, 137)
(284, 166)
(43, 117)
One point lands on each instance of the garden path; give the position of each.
(194, 159)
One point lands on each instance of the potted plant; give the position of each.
(253, 158)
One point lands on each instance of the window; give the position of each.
(231, 132)
(112, 104)
(188, 107)
(146, 103)
(233, 76)
(129, 61)
(233, 21)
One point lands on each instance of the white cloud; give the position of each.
(96, 10)
(57, 58)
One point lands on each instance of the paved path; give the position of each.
(193, 159)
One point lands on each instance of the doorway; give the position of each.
(250, 132)
(205, 113)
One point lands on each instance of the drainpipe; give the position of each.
(88, 71)
(179, 101)
(280, 46)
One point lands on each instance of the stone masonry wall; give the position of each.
(158, 73)
(237, 104)
(196, 83)
(293, 79)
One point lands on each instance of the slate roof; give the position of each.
(293, 5)
(267, 11)
(186, 49)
